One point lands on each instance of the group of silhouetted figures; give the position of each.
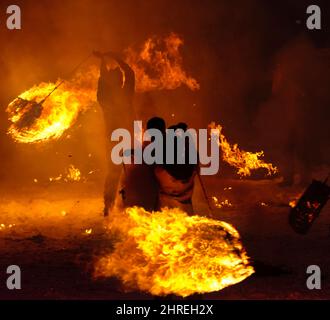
(149, 186)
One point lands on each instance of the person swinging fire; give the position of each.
(115, 95)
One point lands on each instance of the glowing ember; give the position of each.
(169, 252)
(72, 174)
(88, 231)
(158, 65)
(244, 161)
(292, 203)
(294, 200)
(33, 121)
(8, 226)
(51, 179)
(221, 204)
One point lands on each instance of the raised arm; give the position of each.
(103, 67)
(129, 83)
(102, 88)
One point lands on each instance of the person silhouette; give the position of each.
(115, 93)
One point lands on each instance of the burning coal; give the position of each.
(244, 161)
(169, 252)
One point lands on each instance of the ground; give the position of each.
(54, 231)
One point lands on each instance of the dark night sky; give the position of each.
(258, 65)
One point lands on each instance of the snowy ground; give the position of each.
(53, 231)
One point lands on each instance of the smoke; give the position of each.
(293, 119)
(261, 75)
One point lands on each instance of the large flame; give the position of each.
(244, 161)
(33, 121)
(158, 65)
(169, 252)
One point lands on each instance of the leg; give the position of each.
(109, 193)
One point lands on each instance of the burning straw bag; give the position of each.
(309, 206)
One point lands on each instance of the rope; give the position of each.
(69, 74)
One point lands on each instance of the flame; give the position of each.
(293, 203)
(72, 174)
(294, 199)
(169, 252)
(33, 121)
(158, 64)
(244, 161)
(88, 231)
